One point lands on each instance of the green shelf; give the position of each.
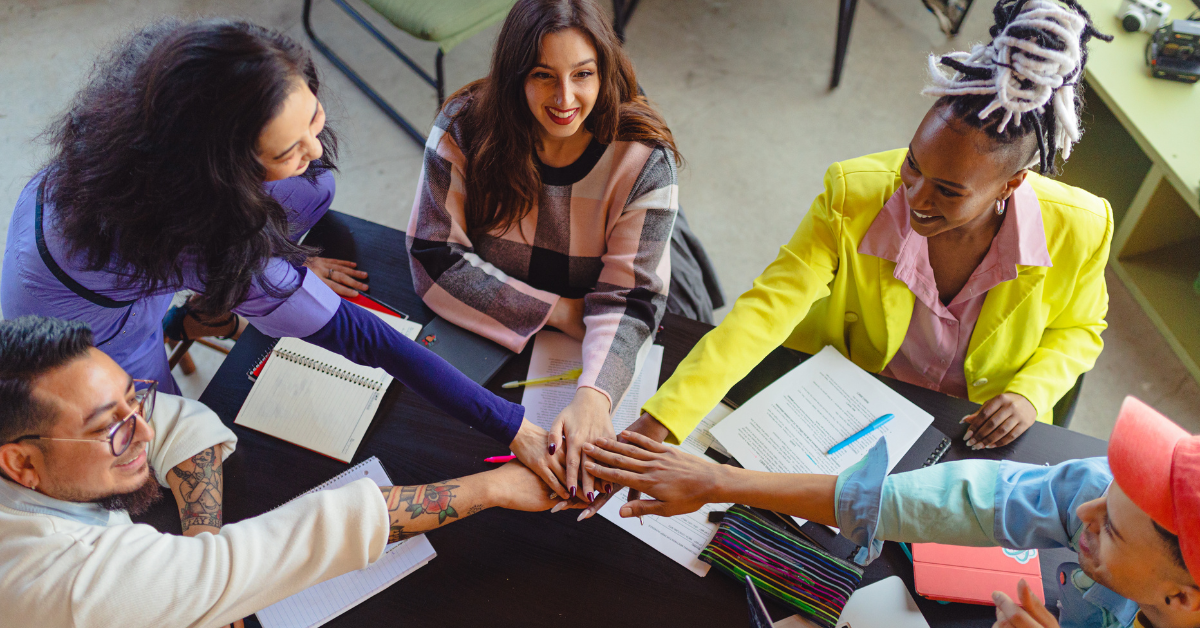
(1162, 281)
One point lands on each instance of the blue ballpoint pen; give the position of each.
(859, 434)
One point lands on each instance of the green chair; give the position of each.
(445, 22)
(1064, 410)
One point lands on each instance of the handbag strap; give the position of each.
(57, 271)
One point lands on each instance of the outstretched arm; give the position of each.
(682, 483)
(199, 488)
(423, 507)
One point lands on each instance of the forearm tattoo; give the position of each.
(200, 490)
(426, 499)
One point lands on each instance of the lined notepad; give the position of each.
(316, 398)
(320, 603)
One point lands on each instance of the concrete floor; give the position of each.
(741, 83)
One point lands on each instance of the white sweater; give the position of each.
(58, 570)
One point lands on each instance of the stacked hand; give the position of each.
(680, 482)
(585, 421)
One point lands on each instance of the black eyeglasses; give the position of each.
(120, 435)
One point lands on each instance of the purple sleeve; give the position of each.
(366, 339)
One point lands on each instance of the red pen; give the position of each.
(500, 459)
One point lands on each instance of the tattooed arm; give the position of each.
(416, 509)
(198, 485)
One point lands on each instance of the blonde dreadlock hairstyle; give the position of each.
(1025, 81)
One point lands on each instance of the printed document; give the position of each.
(788, 427)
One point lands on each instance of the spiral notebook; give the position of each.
(322, 602)
(314, 398)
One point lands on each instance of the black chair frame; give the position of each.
(438, 83)
(622, 11)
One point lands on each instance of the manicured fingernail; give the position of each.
(990, 447)
(966, 437)
(591, 496)
(559, 506)
(552, 447)
(607, 487)
(964, 419)
(970, 442)
(977, 447)
(572, 491)
(640, 520)
(583, 515)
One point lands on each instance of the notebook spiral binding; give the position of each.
(329, 370)
(356, 469)
(252, 374)
(937, 453)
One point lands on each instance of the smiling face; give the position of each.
(1120, 548)
(951, 177)
(563, 85)
(289, 141)
(87, 395)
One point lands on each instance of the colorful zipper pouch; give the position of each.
(781, 564)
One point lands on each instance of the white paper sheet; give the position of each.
(680, 538)
(322, 602)
(555, 353)
(788, 427)
(885, 604)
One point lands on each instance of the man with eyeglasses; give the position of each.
(82, 445)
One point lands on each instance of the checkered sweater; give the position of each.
(601, 230)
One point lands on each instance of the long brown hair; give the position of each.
(501, 136)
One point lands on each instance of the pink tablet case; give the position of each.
(970, 574)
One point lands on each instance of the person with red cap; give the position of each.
(1133, 517)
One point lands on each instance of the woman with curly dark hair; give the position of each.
(194, 159)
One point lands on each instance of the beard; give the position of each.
(134, 502)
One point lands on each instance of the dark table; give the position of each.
(501, 568)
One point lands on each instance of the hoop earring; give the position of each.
(1000, 207)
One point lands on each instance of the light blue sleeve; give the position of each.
(1035, 505)
(950, 503)
(974, 503)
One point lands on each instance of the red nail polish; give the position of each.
(552, 448)
(591, 496)
(572, 491)
(607, 487)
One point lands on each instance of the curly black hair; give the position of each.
(156, 170)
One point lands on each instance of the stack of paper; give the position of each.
(555, 353)
(320, 603)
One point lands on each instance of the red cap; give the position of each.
(1157, 464)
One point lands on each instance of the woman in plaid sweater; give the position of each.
(548, 197)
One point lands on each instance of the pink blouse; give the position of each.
(935, 345)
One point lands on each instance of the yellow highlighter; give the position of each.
(571, 374)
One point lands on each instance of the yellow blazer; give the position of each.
(1035, 335)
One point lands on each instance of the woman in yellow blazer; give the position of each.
(1036, 330)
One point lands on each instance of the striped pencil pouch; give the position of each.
(791, 569)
